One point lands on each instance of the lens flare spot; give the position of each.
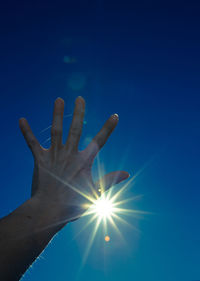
(77, 81)
(107, 238)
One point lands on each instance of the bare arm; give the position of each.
(62, 190)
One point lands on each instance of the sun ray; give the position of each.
(45, 129)
(116, 228)
(131, 212)
(133, 178)
(109, 193)
(127, 200)
(107, 209)
(48, 139)
(125, 222)
(93, 190)
(91, 240)
(86, 225)
(100, 171)
(71, 186)
(117, 194)
(105, 225)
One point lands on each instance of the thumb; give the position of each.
(111, 179)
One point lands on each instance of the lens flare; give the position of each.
(107, 211)
(107, 238)
(103, 207)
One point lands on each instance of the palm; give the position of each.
(62, 173)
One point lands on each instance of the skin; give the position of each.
(62, 190)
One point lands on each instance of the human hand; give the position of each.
(62, 179)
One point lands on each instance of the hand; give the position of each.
(62, 180)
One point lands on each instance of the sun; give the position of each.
(103, 208)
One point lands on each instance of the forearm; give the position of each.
(23, 236)
(62, 188)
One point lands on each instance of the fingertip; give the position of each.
(124, 175)
(59, 101)
(127, 173)
(80, 99)
(120, 176)
(115, 116)
(22, 121)
(23, 124)
(22, 118)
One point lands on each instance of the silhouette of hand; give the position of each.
(62, 180)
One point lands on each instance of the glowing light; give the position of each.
(69, 60)
(77, 81)
(103, 207)
(107, 238)
(106, 210)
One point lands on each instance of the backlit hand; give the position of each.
(62, 179)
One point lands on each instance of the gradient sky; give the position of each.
(141, 60)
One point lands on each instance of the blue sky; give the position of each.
(140, 60)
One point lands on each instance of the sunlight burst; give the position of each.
(103, 207)
(107, 209)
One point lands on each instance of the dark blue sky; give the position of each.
(140, 60)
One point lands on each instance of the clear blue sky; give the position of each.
(141, 61)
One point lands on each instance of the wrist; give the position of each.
(46, 216)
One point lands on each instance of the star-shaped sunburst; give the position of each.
(107, 209)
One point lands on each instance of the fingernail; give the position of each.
(80, 100)
(115, 116)
(79, 97)
(59, 99)
(22, 120)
